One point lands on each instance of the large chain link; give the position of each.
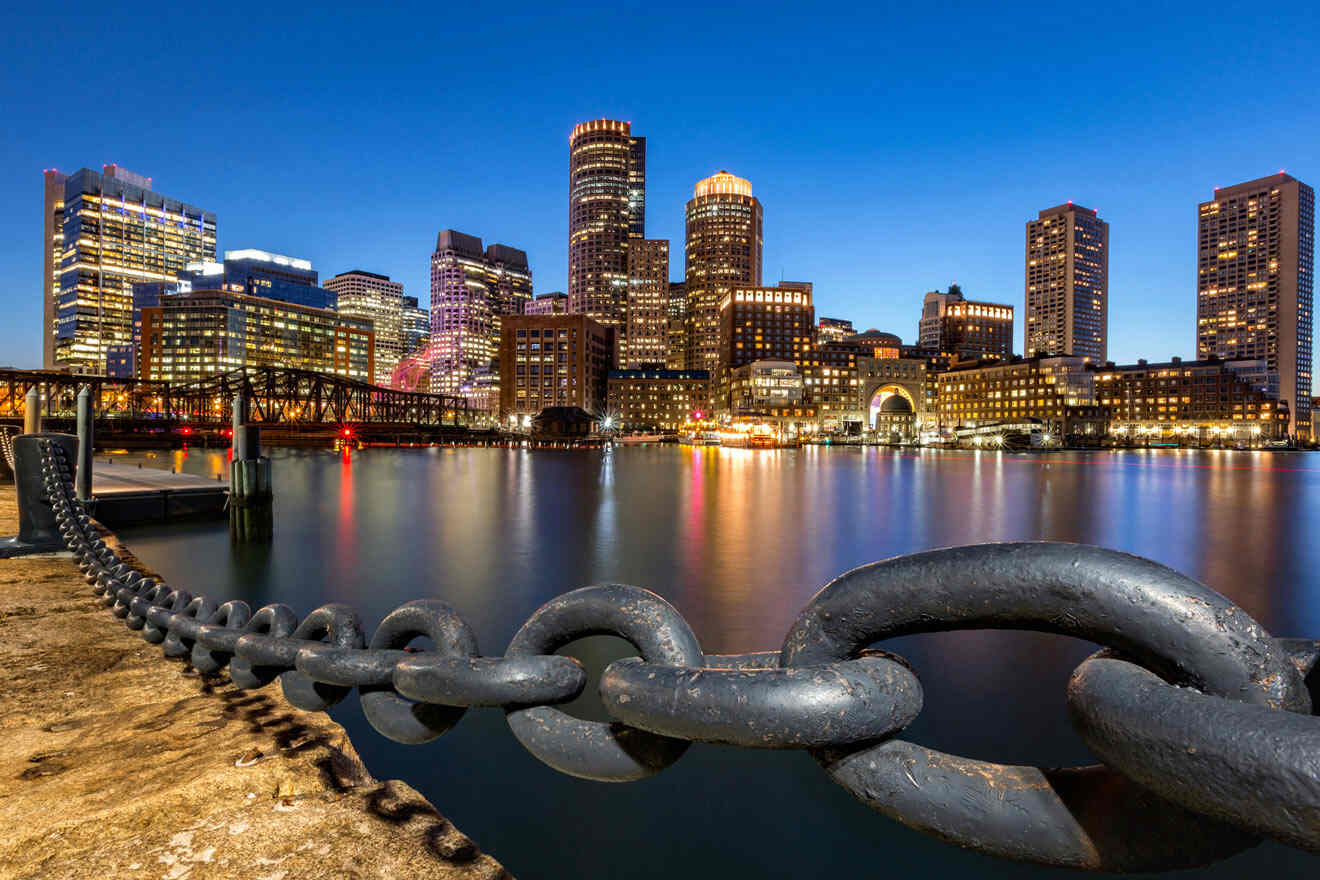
(1202, 718)
(7, 447)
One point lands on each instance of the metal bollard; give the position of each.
(32, 411)
(83, 474)
(38, 532)
(247, 438)
(251, 517)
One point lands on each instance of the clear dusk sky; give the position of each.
(896, 148)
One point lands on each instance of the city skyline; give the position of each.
(817, 178)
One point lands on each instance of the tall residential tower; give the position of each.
(646, 335)
(471, 289)
(1255, 272)
(606, 207)
(723, 251)
(1067, 281)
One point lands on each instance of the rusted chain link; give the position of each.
(1204, 714)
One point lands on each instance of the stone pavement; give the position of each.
(116, 762)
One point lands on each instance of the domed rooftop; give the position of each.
(895, 403)
(876, 337)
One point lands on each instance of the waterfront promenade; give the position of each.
(115, 762)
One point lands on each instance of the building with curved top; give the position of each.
(893, 419)
(606, 207)
(876, 343)
(722, 251)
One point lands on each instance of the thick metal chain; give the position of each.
(1202, 718)
(7, 447)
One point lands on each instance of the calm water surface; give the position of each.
(739, 540)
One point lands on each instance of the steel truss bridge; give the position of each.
(279, 397)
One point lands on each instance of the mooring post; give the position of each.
(38, 530)
(251, 500)
(32, 411)
(82, 475)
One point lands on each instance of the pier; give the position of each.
(105, 771)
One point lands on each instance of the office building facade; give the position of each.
(416, 325)
(553, 361)
(52, 243)
(472, 290)
(260, 273)
(606, 208)
(763, 323)
(1207, 402)
(193, 334)
(657, 400)
(963, 328)
(375, 298)
(722, 250)
(555, 303)
(1056, 394)
(1067, 284)
(115, 231)
(646, 324)
(834, 330)
(1255, 272)
(769, 390)
(676, 327)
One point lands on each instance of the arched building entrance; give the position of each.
(892, 414)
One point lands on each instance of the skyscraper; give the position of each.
(115, 231)
(647, 321)
(416, 325)
(676, 343)
(380, 300)
(52, 241)
(1255, 271)
(723, 251)
(471, 289)
(1067, 283)
(606, 207)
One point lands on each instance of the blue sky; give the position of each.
(895, 148)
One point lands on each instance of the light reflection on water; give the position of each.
(739, 540)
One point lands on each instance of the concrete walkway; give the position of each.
(115, 762)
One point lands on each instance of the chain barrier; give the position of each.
(1202, 719)
(7, 447)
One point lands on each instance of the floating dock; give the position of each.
(127, 495)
